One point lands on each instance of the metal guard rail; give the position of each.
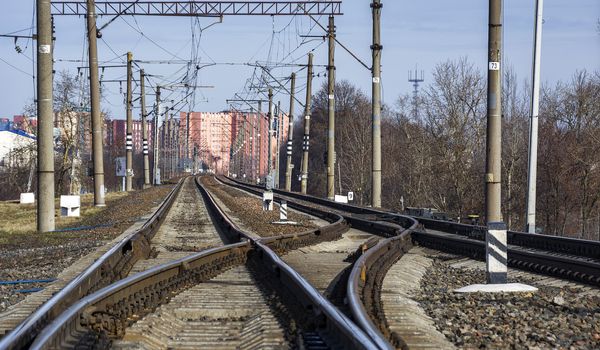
(382, 256)
(103, 271)
(556, 244)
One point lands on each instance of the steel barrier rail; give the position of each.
(111, 266)
(367, 273)
(556, 244)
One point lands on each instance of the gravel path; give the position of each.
(44, 256)
(552, 318)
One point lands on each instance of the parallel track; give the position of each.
(567, 258)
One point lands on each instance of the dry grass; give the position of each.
(21, 218)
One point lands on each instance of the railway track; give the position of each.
(255, 284)
(571, 259)
(274, 291)
(111, 266)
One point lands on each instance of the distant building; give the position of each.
(25, 123)
(117, 132)
(5, 124)
(217, 136)
(17, 148)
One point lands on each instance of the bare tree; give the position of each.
(514, 149)
(455, 121)
(71, 122)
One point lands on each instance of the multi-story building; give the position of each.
(230, 142)
(117, 133)
(27, 124)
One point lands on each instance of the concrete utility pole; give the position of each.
(331, 96)
(129, 131)
(288, 167)
(156, 141)
(45, 141)
(144, 130)
(376, 104)
(270, 140)
(187, 139)
(533, 126)
(173, 146)
(260, 146)
(277, 131)
(163, 146)
(97, 122)
(242, 149)
(306, 141)
(252, 141)
(496, 235)
(167, 138)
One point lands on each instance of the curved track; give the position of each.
(97, 319)
(572, 259)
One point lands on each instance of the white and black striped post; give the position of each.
(496, 253)
(283, 210)
(306, 139)
(129, 131)
(289, 165)
(496, 230)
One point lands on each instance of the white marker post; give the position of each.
(283, 214)
(268, 201)
(496, 253)
(283, 209)
(496, 265)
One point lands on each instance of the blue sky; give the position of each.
(423, 32)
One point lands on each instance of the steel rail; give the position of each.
(101, 309)
(366, 278)
(140, 296)
(556, 244)
(541, 262)
(366, 273)
(111, 266)
(560, 256)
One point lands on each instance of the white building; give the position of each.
(16, 148)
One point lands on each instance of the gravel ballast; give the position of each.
(33, 256)
(249, 210)
(551, 318)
